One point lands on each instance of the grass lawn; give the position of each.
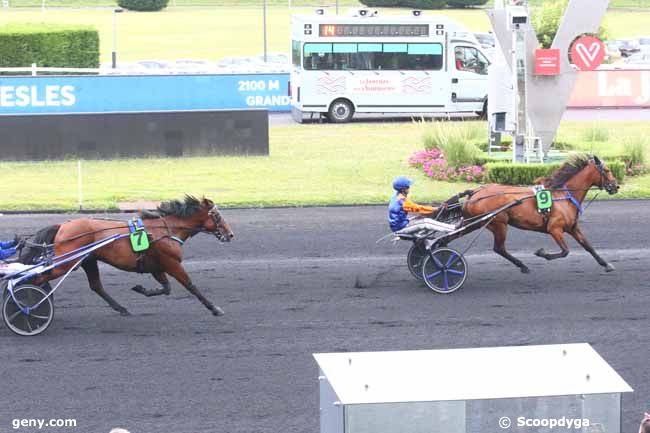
(214, 32)
(309, 164)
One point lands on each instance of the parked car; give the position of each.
(644, 43)
(276, 58)
(629, 47)
(193, 66)
(635, 61)
(485, 39)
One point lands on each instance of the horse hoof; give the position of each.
(540, 252)
(525, 270)
(216, 311)
(609, 268)
(124, 313)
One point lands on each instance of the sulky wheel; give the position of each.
(444, 270)
(22, 312)
(415, 259)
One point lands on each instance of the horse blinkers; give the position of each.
(221, 229)
(607, 179)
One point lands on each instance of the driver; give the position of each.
(400, 205)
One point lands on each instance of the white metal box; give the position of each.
(557, 388)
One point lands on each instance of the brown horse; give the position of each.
(569, 185)
(168, 228)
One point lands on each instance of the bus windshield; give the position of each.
(373, 56)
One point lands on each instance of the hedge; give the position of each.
(525, 174)
(143, 5)
(417, 4)
(48, 45)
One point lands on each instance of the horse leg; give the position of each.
(557, 233)
(161, 277)
(582, 240)
(92, 272)
(499, 230)
(175, 269)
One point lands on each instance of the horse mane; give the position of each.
(181, 208)
(572, 166)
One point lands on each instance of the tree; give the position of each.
(546, 20)
(418, 4)
(143, 5)
(465, 3)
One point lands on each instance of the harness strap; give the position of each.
(572, 199)
(177, 239)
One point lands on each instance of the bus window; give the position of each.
(373, 56)
(470, 59)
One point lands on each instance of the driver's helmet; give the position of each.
(401, 182)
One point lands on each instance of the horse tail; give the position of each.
(36, 247)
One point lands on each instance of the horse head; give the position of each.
(602, 176)
(215, 223)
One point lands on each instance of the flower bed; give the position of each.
(435, 166)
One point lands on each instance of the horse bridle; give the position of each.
(216, 219)
(604, 183)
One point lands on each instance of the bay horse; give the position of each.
(168, 228)
(569, 185)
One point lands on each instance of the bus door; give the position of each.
(469, 78)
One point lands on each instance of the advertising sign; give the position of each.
(106, 94)
(587, 53)
(547, 61)
(612, 89)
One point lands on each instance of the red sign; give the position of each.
(587, 53)
(612, 89)
(547, 62)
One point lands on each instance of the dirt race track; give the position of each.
(299, 281)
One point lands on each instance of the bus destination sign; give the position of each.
(373, 30)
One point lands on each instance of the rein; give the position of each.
(193, 231)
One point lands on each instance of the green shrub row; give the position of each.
(423, 4)
(49, 45)
(525, 174)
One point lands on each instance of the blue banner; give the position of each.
(106, 94)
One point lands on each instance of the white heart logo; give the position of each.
(588, 55)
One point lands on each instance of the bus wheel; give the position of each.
(340, 111)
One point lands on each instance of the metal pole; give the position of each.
(79, 185)
(264, 17)
(337, 7)
(114, 54)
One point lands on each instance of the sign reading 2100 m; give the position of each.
(110, 94)
(587, 53)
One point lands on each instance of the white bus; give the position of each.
(365, 63)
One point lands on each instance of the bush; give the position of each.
(417, 4)
(48, 45)
(465, 3)
(525, 174)
(143, 5)
(455, 140)
(596, 133)
(635, 151)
